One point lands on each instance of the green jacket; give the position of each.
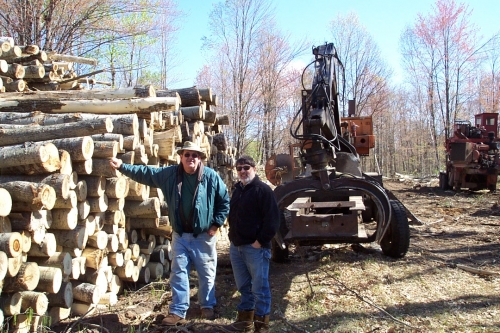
(211, 202)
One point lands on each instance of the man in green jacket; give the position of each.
(198, 204)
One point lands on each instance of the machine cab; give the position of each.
(489, 121)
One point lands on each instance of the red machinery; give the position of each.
(473, 155)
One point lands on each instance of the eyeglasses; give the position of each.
(246, 167)
(193, 155)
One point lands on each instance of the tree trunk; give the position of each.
(48, 247)
(116, 187)
(116, 259)
(5, 204)
(189, 96)
(64, 218)
(148, 207)
(61, 260)
(137, 105)
(10, 304)
(26, 279)
(98, 240)
(50, 279)
(86, 292)
(76, 238)
(42, 133)
(34, 300)
(64, 297)
(11, 244)
(110, 137)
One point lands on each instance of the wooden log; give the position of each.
(58, 314)
(14, 155)
(109, 299)
(10, 304)
(155, 270)
(126, 270)
(4, 67)
(65, 218)
(41, 56)
(116, 259)
(59, 182)
(25, 280)
(76, 238)
(148, 207)
(26, 241)
(64, 297)
(96, 185)
(144, 275)
(137, 105)
(36, 222)
(131, 142)
(158, 254)
(34, 72)
(163, 231)
(80, 148)
(110, 137)
(146, 246)
(94, 257)
(193, 112)
(6, 266)
(69, 58)
(14, 85)
(140, 223)
(189, 96)
(34, 196)
(116, 187)
(34, 300)
(15, 71)
(42, 133)
(98, 240)
(29, 49)
(11, 244)
(50, 279)
(81, 190)
(60, 260)
(98, 204)
(83, 209)
(115, 284)
(95, 277)
(86, 292)
(100, 167)
(5, 207)
(69, 203)
(48, 248)
(112, 245)
(81, 308)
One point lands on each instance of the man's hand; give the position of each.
(212, 230)
(256, 244)
(115, 163)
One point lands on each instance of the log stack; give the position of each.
(77, 232)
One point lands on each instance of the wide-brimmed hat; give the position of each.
(188, 145)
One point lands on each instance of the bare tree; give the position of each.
(235, 30)
(366, 75)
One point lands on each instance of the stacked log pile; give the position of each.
(74, 231)
(28, 68)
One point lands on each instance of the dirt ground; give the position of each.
(447, 282)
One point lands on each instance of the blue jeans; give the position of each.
(200, 252)
(251, 273)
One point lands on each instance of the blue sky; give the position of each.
(310, 19)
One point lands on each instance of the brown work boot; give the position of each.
(172, 320)
(243, 323)
(261, 324)
(208, 313)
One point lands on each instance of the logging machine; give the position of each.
(323, 195)
(472, 155)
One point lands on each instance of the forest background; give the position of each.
(449, 68)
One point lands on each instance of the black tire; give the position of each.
(278, 254)
(396, 240)
(443, 181)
